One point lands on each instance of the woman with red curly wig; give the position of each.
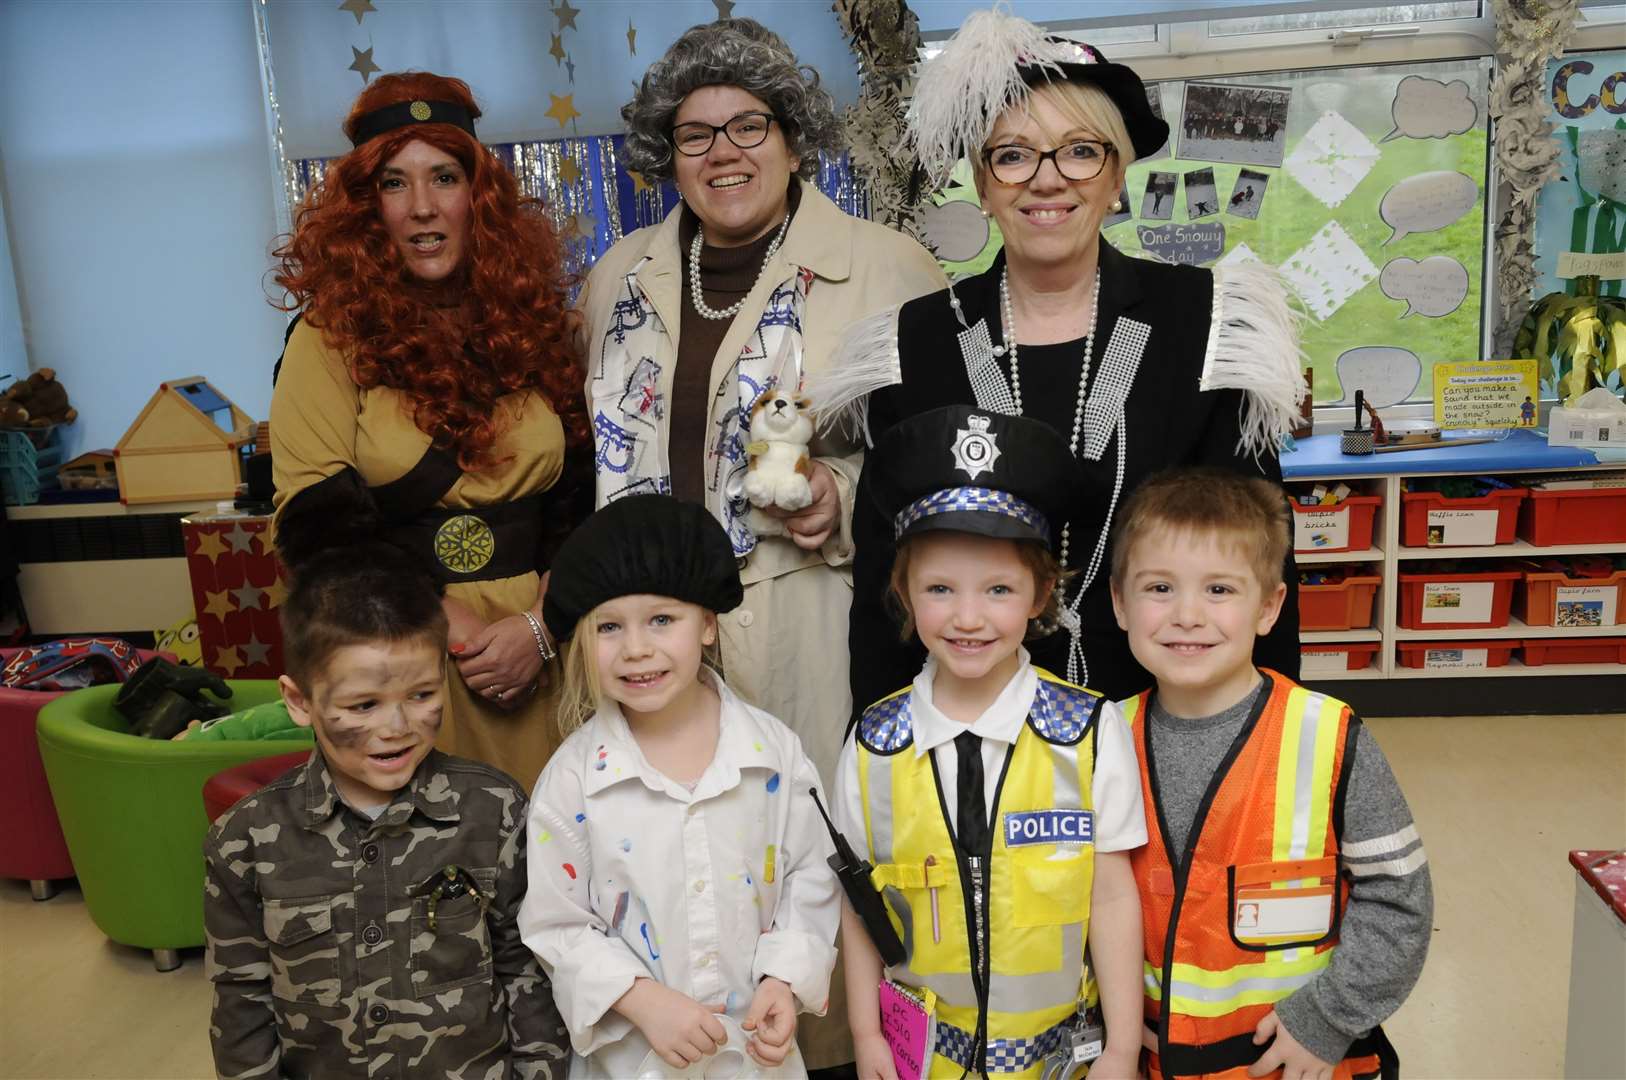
(429, 394)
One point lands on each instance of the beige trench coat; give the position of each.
(785, 648)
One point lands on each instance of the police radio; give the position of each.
(854, 874)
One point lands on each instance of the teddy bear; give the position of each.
(37, 401)
(780, 467)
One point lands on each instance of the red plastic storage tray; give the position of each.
(1319, 528)
(1598, 650)
(1584, 516)
(1330, 658)
(1432, 520)
(1538, 599)
(1346, 605)
(1454, 655)
(1482, 600)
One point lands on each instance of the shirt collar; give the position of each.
(820, 238)
(429, 792)
(1002, 721)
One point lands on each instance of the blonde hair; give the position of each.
(1248, 513)
(580, 695)
(1085, 106)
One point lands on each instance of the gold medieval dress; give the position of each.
(322, 423)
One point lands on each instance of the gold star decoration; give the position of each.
(569, 171)
(228, 661)
(632, 38)
(557, 50)
(276, 593)
(363, 63)
(725, 8)
(562, 109)
(358, 8)
(209, 546)
(217, 604)
(573, 228)
(639, 183)
(566, 15)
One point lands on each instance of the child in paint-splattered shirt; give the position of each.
(678, 883)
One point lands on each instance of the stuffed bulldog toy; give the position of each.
(778, 475)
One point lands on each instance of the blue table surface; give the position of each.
(1319, 456)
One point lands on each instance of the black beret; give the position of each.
(1147, 130)
(965, 469)
(650, 544)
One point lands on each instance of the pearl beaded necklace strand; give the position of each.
(698, 295)
(1009, 347)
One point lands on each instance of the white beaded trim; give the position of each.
(697, 295)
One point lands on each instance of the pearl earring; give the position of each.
(1117, 206)
(984, 210)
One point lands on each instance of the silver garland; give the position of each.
(885, 35)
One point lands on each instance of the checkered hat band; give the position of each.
(1004, 1055)
(975, 499)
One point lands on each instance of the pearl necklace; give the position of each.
(1083, 372)
(697, 294)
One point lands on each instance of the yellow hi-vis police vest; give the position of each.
(1036, 902)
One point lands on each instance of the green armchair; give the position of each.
(132, 812)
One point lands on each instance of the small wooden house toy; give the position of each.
(90, 471)
(184, 445)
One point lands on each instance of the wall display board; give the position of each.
(1364, 187)
(1581, 214)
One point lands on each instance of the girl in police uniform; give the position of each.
(996, 802)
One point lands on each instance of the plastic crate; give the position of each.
(1429, 519)
(1481, 600)
(1602, 603)
(1454, 655)
(1540, 651)
(28, 462)
(1320, 528)
(1333, 658)
(1346, 605)
(1583, 516)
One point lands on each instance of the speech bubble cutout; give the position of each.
(1426, 202)
(1192, 245)
(1603, 162)
(1434, 287)
(1386, 373)
(955, 231)
(1430, 109)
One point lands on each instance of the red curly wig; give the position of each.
(514, 328)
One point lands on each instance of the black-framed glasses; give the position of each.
(746, 130)
(1015, 163)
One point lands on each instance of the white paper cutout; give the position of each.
(1434, 287)
(955, 231)
(1426, 202)
(1328, 270)
(1239, 254)
(1603, 162)
(1332, 159)
(1426, 108)
(1387, 373)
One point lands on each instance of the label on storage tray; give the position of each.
(1321, 530)
(1456, 659)
(1462, 528)
(1322, 661)
(1458, 601)
(1585, 605)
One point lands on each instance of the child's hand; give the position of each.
(771, 1020)
(1116, 1064)
(874, 1057)
(1286, 1053)
(680, 1029)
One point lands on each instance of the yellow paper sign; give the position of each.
(1486, 394)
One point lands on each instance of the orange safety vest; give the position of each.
(1251, 912)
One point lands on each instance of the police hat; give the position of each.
(965, 469)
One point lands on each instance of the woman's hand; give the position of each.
(500, 662)
(811, 526)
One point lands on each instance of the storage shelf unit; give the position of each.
(1523, 453)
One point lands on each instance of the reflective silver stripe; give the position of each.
(1064, 769)
(1255, 984)
(1304, 773)
(878, 799)
(1390, 867)
(1010, 993)
(1382, 845)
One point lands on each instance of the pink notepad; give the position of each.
(907, 1025)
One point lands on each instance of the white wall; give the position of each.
(137, 183)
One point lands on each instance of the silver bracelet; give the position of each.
(542, 645)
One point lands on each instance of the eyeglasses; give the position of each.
(744, 131)
(1014, 163)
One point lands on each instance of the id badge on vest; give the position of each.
(1283, 903)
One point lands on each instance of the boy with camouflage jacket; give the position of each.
(360, 910)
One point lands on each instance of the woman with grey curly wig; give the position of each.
(742, 293)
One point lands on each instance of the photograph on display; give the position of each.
(1243, 125)
(1248, 195)
(1202, 197)
(1579, 613)
(1158, 202)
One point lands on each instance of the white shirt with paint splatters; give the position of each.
(706, 891)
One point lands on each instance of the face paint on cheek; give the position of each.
(343, 736)
(429, 716)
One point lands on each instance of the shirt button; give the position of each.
(746, 619)
(700, 886)
(378, 1014)
(373, 934)
(369, 853)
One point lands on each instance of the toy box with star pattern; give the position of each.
(237, 588)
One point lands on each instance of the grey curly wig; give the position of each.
(729, 52)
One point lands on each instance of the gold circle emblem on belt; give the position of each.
(464, 544)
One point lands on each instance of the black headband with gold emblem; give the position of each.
(402, 113)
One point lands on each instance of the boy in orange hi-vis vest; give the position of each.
(1284, 890)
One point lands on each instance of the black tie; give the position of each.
(973, 809)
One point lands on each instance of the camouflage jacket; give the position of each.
(320, 944)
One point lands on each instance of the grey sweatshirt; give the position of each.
(1386, 929)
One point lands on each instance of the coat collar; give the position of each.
(429, 792)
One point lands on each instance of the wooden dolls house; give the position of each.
(184, 445)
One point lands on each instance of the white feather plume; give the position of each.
(865, 361)
(962, 90)
(1253, 346)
